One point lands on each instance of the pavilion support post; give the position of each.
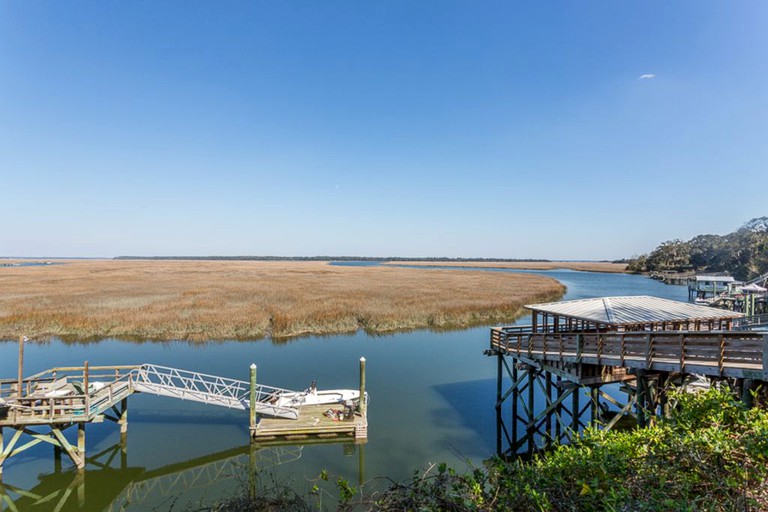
(594, 393)
(575, 411)
(558, 408)
(747, 398)
(515, 400)
(666, 411)
(499, 365)
(531, 401)
(548, 420)
(642, 398)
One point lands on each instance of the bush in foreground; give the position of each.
(711, 455)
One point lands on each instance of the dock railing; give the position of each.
(65, 394)
(741, 354)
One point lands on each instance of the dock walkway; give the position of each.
(65, 397)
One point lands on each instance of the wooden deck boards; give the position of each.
(312, 424)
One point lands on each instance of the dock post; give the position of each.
(252, 402)
(20, 389)
(81, 445)
(56, 459)
(86, 390)
(363, 405)
(123, 418)
(1, 451)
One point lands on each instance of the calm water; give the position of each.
(432, 399)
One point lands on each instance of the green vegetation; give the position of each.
(711, 455)
(743, 253)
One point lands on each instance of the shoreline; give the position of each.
(578, 266)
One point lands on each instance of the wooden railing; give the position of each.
(740, 354)
(64, 395)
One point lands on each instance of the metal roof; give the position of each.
(640, 309)
(719, 279)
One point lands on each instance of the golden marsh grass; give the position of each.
(210, 300)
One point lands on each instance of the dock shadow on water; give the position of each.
(471, 403)
(110, 483)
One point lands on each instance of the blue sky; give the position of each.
(536, 129)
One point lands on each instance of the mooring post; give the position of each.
(252, 402)
(123, 417)
(363, 405)
(56, 459)
(81, 445)
(86, 390)
(1, 451)
(20, 389)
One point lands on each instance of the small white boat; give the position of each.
(311, 396)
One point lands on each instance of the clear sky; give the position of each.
(511, 129)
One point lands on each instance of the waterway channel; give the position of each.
(432, 399)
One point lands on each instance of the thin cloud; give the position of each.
(647, 76)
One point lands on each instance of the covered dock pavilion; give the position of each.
(631, 313)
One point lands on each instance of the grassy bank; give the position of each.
(711, 455)
(202, 300)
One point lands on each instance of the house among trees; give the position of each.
(707, 287)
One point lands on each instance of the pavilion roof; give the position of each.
(632, 310)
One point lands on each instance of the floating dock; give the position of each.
(314, 424)
(61, 398)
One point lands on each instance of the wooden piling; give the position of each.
(363, 405)
(81, 445)
(252, 402)
(20, 388)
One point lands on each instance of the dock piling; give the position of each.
(252, 402)
(363, 405)
(20, 388)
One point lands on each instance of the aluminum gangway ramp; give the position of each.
(209, 389)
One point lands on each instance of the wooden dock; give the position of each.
(313, 425)
(40, 408)
(559, 367)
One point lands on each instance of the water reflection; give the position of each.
(110, 483)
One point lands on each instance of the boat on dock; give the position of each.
(66, 397)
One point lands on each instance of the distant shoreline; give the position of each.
(583, 266)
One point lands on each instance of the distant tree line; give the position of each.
(325, 258)
(743, 253)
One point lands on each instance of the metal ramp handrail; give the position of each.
(209, 389)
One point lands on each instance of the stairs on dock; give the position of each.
(209, 389)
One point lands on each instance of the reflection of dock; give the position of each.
(104, 487)
(58, 399)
